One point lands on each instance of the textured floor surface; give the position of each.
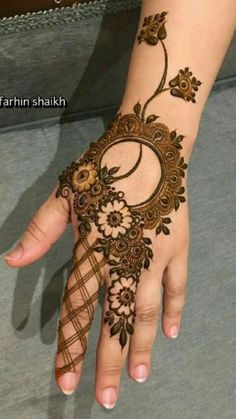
(193, 377)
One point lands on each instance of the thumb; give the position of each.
(46, 227)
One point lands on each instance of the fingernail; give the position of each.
(14, 254)
(173, 332)
(109, 397)
(141, 373)
(67, 383)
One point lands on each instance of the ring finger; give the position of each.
(148, 300)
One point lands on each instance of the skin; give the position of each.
(195, 29)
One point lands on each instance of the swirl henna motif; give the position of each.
(121, 226)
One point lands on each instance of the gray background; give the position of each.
(193, 377)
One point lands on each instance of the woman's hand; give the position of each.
(126, 200)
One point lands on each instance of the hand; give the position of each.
(119, 196)
(126, 199)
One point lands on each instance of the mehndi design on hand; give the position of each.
(122, 227)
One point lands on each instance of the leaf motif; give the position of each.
(174, 82)
(181, 190)
(165, 230)
(130, 328)
(153, 40)
(158, 229)
(137, 108)
(108, 180)
(123, 337)
(173, 135)
(116, 328)
(151, 118)
(150, 253)
(113, 170)
(146, 263)
(103, 172)
(166, 220)
(87, 226)
(147, 240)
(113, 262)
(176, 204)
(130, 125)
(177, 93)
(163, 14)
(162, 32)
(99, 249)
(106, 252)
(180, 138)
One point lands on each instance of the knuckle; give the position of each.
(173, 313)
(147, 314)
(143, 349)
(35, 231)
(111, 370)
(174, 291)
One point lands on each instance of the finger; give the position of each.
(174, 284)
(147, 311)
(47, 225)
(113, 346)
(78, 306)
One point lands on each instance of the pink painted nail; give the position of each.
(174, 332)
(14, 254)
(141, 373)
(109, 397)
(67, 383)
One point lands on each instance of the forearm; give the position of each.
(198, 35)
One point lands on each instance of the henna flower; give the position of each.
(114, 218)
(84, 177)
(122, 296)
(153, 29)
(184, 86)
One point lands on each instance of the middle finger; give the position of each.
(117, 324)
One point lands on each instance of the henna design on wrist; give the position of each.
(122, 240)
(183, 85)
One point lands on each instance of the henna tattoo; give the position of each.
(122, 227)
(181, 86)
(184, 86)
(153, 29)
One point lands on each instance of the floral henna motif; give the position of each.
(122, 228)
(184, 86)
(153, 29)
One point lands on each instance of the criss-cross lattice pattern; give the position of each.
(85, 269)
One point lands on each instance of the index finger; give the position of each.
(78, 306)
